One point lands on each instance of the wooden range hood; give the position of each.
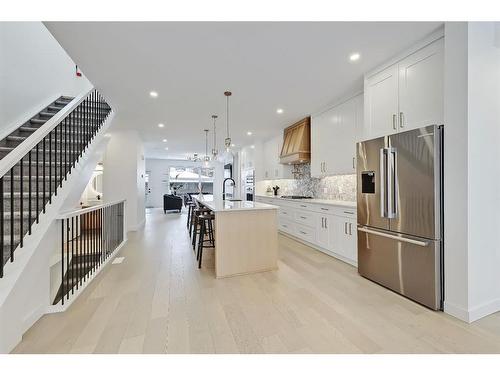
(297, 143)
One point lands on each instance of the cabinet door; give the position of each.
(318, 144)
(421, 87)
(381, 103)
(350, 240)
(322, 236)
(342, 150)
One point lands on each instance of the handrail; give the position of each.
(69, 214)
(29, 143)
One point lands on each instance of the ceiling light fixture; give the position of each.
(161, 125)
(227, 156)
(249, 133)
(166, 148)
(354, 56)
(214, 149)
(153, 94)
(279, 111)
(252, 146)
(206, 159)
(164, 140)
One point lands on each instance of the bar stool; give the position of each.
(195, 224)
(206, 228)
(191, 207)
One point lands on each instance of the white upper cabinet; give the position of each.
(406, 95)
(421, 92)
(333, 138)
(272, 169)
(381, 102)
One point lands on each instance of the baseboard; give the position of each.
(483, 310)
(472, 314)
(134, 228)
(456, 311)
(320, 249)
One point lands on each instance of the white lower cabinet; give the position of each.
(329, 228)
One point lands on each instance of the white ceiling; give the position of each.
(297, 66)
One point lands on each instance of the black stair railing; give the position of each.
(89, 237)
(30, 179)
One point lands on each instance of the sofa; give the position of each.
(172, 202)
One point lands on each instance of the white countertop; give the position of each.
(314, 201)
(219, 205)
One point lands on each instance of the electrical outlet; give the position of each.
(325, 190)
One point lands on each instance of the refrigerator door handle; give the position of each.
(383, 182)
(397, 238)
(391, 193)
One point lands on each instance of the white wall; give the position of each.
(124, 178)
(472, 179)
(484, 169)
(34, 70)
(455, 171)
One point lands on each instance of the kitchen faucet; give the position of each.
(224, 187)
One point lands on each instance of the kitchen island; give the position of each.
(246, 236)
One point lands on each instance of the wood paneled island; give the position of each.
(246, 236)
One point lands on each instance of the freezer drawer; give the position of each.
(408, 265)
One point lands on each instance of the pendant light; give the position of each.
(227, 156)
(206, 159)
(214, 149)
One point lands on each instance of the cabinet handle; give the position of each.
(353, 163)
(401, 119)
(326, 223)
(303, 217)
(345, 228)
(394, 120)
(303, 205)
(325, 209)
(350, 228)
(302, 232)
(348, 212)
(322, 222)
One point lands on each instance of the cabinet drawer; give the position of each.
(305, 232)
(305, 218)
(286, 226)
(286, 213)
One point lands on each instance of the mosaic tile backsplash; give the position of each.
(342, 188)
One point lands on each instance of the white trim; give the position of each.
(434, 36)
(73, 297)
(134, 228)
(456, 311)
(29, 143)
(483, 310)
(16, 124)
(69, 214)
(319, 248)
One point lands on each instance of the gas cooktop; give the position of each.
(295, 197)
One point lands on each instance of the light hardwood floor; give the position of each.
(157, 301)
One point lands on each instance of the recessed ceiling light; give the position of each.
(279, 111)
(354, 56)
(249, 133)
(252, 146)
(166, 148)
(233, 145)
(161, 125)
(164, 140)
(153, 94)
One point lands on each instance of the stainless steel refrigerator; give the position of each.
(399, 203)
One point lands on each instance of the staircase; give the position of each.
(36, 159)
(13, 140)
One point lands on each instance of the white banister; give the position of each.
(69, 214)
